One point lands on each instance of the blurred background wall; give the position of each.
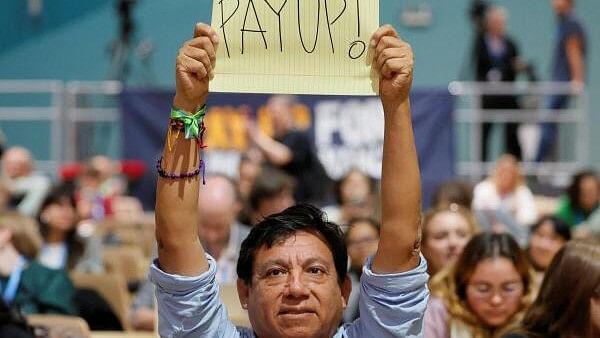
(70, 40)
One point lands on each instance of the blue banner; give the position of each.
(347, 132)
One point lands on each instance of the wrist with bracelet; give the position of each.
(193, 127)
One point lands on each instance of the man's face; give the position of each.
(214, 226)
(16, 163)
(281, 115)
(496, 24)
(561, 7)
(294, 290)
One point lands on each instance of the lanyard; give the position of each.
(13, 282)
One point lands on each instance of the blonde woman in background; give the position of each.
(506, 191)
(446, 231)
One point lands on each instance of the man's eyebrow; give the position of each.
(286, 263)
(272, 262)
(315, 259)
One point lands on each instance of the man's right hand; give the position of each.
(195, 68)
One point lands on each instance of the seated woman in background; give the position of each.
(354, 195)
(548, 235)
(446, 231)
(26, 285)
(505, 190)
(362, 240)
(488, 288)
(581, 200)
(63, 248)
(568, 304)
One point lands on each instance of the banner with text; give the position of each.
(347, 132)
(295, 46)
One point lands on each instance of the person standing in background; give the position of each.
(497, 60)
(291, 151)
(568, 65)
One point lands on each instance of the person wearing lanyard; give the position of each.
(26, 285)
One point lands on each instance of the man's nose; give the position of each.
(296, 286)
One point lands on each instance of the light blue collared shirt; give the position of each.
(391, 305)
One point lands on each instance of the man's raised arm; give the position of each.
(179, 249)
(400, 178)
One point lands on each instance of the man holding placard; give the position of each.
(292, 267)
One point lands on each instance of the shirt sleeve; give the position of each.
(526, 207)
(190, 306)
(574, 30)
(391, 305)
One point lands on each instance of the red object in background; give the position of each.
(70, 171)
(132, 169)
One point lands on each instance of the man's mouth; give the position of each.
(296, 311)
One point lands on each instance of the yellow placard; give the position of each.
(294, 46)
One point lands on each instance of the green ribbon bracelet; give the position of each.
(191, 123)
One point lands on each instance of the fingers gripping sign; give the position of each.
(393, 61)
(195, 68)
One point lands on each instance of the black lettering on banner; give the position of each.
(260, 30)
(330, 23)
(278, 13)
(358, 16)
(300, 27)
(357, 49)
(225, 21)
(341, 12)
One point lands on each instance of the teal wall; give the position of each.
(75, 48)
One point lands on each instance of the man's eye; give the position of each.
(316, 270)
(276, 272)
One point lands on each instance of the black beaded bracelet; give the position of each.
(172, 176)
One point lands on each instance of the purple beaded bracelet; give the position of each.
(162, 173)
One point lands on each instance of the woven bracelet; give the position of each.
(173, 176)
(193, 125)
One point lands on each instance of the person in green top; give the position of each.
(26, 285)
(581, 200)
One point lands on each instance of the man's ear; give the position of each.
(346, 289)
(243, 293)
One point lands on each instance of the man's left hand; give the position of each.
(394, 62)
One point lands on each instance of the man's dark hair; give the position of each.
(277, 228)
(270, 183)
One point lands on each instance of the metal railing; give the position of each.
(475, 115)
(81, 107)
(70, 105)
(52, 113)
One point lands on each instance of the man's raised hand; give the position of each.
(394, 61)
(195, 68)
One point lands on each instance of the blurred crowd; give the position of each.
(488, 245)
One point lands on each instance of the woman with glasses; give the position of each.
(362, 239)
(568, 304)
(486, 290)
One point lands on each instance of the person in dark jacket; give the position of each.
(497, 60)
